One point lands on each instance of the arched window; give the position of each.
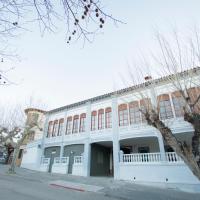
(178, 103)
(75, 124)
(101, 119)
(60, 127)
(93, 120)
(50, 127)
(82, 122)
(165, 107)
(134, 112)
(145, 106)
(108, 112)
(68, 126)
(123, 115)
(55, 128)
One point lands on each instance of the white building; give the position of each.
(108, 136)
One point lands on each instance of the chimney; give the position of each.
(147, 78)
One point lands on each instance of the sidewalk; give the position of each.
(98, 187)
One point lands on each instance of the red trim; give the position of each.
(66, 187)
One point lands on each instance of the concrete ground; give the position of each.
(32, 185)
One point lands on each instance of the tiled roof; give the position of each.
(126, 90)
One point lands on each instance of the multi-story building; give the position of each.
(108, 136)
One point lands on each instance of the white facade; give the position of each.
(136, 150)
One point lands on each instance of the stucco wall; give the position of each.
(163, 173)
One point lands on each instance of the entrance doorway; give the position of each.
(101, 159)
(71, 151)
(51, 152)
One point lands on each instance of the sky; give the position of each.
(59, 74)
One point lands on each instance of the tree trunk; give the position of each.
(194, 120)
(11, 169)
(180, 148)
(15, 154)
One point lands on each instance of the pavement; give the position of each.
(32, 185)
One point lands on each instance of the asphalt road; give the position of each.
(31, 185)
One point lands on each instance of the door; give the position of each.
(71, 162)
(53, 153)
(71, 151)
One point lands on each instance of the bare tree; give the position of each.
(80, 18)
(177, 63)
(15, 129)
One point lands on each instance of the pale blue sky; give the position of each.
(61, 74)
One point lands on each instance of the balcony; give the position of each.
(143, 158)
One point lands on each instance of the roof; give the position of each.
(126, 90)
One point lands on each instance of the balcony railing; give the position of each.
(172, 157)
(150, 158)
(142, 157)
(45, 161)
(62, 160)
(78, 159)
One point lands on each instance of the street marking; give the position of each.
(75, 186)
(66, 187)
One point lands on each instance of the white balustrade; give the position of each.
(62, 160)
(142, 157)
(78, 159)
(45, 161)
(149, 157)
(173, 157)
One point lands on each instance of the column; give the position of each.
(63, 135)
(161, 146)
(87, 145)
(115, 130)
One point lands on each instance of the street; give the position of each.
(32, 185)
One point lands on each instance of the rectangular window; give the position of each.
(82, 124)
(60, 127)
(101, 121)
(178, 106)
(50, 129)
(55, 128)
(68, 127)
(93, 121)
(75, 126)
(165, 109)
(123, 117)
(134, 115)
(108, 119)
